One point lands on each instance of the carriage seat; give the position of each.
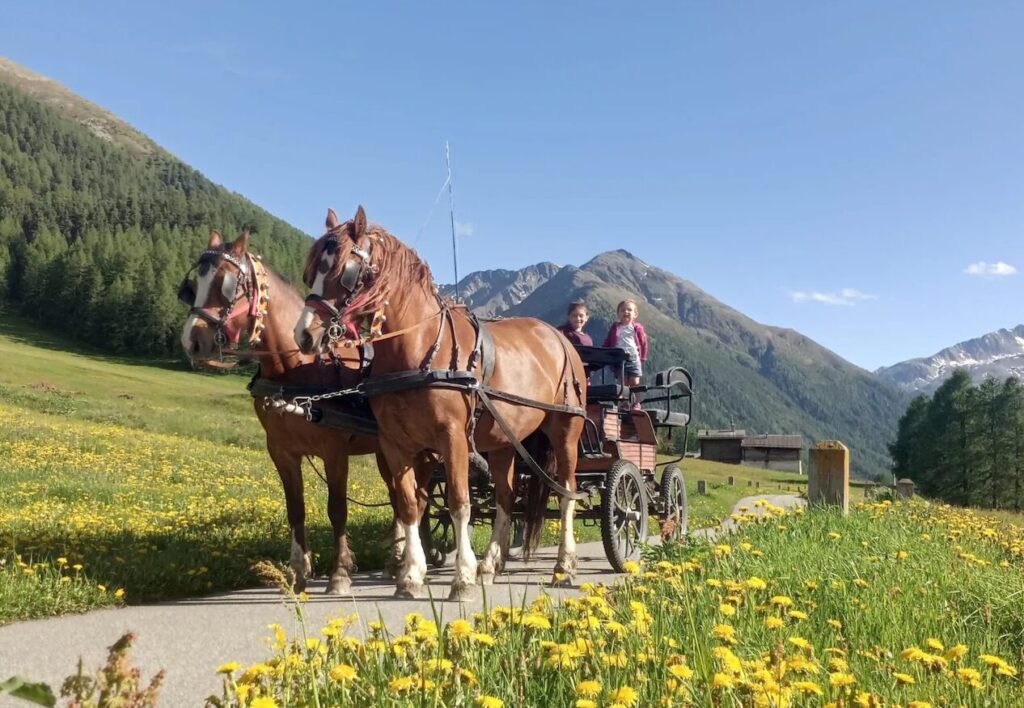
(668, 419)
(607, 393)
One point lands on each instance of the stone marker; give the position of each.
(732, 481)
(702, 486)
(905, 488)
(828, 481)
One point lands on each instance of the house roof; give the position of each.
(721, 434)
(783, 441)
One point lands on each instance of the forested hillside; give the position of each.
(96, 230)
(965, 444)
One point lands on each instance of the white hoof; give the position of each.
(464, 592)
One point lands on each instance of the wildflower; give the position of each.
(773, 622)
(585, 703)
(342, 673)
(782, 601)
(625, 695)
(681, 671)
(956, 651)
(489, 702)
(535, 621)
(801, 643)
(631, 567)
(727, 609)
(934, 644)
(263, 702)
(919, 704)
(229, 667)
(482, 638)
(972, 677)
(903, 678)
(722, 681)
(860, 582)
(841, 678)
(835, 624)
(756, 583)
(460, 628)
(724, 632)
(807, 687)
(62, 561)
(589, 688)
(797, 614)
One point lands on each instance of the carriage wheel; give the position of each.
(436, 529)
(623, 514)
(673, 503)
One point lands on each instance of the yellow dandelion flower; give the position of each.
(934, 643)
(835, 624)
(263, 702)
(589, 688)
(229, 667)
(774, 622)
(585, 703)
(840, 679)
(681, 671)
(482, 638)
(756, 583)
(919, 704)
(797, 614)
(956, 651)
(807, 687)
(903, 678)
(972, 677)
(725, 632)
(342, 673)
(625, 695)
(489, 702)
(727, 609)
(801, 643)
(782, 601)
(631, 567)
(460, 628)
(722, 681)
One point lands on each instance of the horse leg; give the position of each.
(456, 458)
(396, 532)
(502, 465)
(564, 445)
(412, 572)
(340, 580)
(289, 468)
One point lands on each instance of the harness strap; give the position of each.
(524, 455)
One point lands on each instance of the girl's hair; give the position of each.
(577, 305)
(628, 302)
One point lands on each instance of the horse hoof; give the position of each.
(464, 592)
(341, 585)
(299, 586)
(409, 592)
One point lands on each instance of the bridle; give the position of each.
(355, 275)
(250, 282)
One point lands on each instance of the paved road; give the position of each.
(190, 638)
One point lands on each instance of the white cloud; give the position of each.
(990, 270)
(463, 229)
(846, 296)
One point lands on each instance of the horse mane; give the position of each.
(396, 264)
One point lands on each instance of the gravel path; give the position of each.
(190, 638)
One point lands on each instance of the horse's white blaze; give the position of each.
(567, 545)
(498, 545)
(203, 284)
(465, 561)
(414, 562)
(306, 318)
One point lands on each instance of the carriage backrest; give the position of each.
(677, 378)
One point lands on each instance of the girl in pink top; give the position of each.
(629, 335)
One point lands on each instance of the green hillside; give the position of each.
(98, 224)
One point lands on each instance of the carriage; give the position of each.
(617, 466)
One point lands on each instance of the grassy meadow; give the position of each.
(131, 481)
(908, 604)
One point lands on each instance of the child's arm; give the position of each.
(609, 340)
(641, 341)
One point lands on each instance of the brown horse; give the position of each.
(358, 275)
(234, 293)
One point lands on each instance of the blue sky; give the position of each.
(836, 168)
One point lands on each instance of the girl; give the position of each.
(629, 335)
(576, 318)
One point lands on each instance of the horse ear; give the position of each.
(241, 244)
(332, 220)
(359, 224)
(215, 239)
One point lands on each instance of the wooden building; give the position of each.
(721, 445)
(773, 452)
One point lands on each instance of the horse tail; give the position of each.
(537, 492)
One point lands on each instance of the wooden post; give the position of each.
(905, 488)
(702, 486)
(829, 480)
(750, 483)
(732, 481)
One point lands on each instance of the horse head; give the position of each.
(343, 272)
(225, 299)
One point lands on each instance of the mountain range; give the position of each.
(999, 354)
(751, 375)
